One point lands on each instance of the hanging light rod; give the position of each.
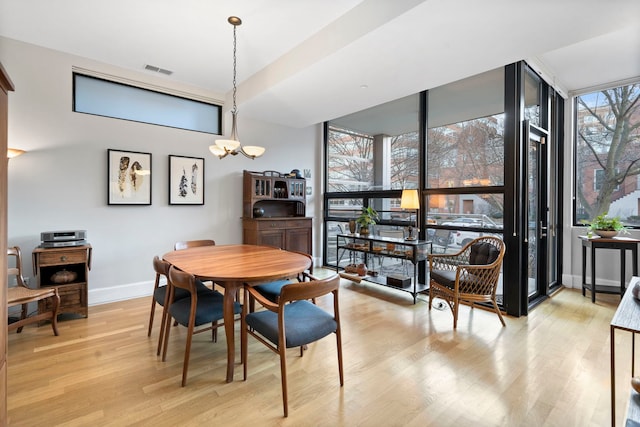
(223, 147)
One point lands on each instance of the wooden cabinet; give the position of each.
(285, 233)
(76, 260)
(273, 210)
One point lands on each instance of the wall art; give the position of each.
(186, 180)
(129, 177)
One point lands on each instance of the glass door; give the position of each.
(536, 225)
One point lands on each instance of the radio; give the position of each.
(57, 239)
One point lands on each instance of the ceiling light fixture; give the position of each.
(223, 147)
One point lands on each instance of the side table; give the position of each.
(622, 244)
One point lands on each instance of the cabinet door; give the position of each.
(299, 240)
(275, 238)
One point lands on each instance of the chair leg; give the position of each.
(244, 335)
(163, 329)
(283, 373)
(187, 353)
(153, 311)
(167, 330)
(54, 316)
(23, 315)
(214, 331)
(495, 307)
(456, 305)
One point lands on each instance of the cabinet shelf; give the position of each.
(414, 251)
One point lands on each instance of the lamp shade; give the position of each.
(410, 199)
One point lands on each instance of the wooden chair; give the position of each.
(186, 244)
(272, 290)
(469, 276)
(22, 295)
(196, 310)
(160, 295)
(292, 322)
(441, 240)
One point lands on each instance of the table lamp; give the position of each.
(410, 200)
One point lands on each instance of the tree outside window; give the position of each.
(608, 154)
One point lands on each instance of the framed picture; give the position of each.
(129, 177)
(186, 180)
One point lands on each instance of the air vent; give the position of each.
(158, 69)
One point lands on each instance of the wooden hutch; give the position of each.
(273, 211)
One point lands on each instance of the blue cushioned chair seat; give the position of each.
(304, 323)
(209, 309)
(160, 293)
(272, 290)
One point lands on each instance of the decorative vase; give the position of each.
(364, 230)
(362, 270)
(606, 233)
(258, 212)
(64, 276)
(352, 226)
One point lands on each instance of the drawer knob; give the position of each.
(63, 258)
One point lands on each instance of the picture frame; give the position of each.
(186, 180)
(128, 177)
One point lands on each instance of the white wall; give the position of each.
(60, 183)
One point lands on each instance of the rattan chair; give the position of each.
(292, 322)
(469, 276)
(21, 294)
(196, 310)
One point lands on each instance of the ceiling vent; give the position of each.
(158, 69)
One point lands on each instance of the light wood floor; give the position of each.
(404, 366)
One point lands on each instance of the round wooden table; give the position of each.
(232, 266)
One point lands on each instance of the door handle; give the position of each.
(543, 230)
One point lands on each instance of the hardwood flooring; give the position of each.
(404, 366)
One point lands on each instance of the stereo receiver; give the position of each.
(56, 239)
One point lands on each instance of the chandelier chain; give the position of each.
(234, 69)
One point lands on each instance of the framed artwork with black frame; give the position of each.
(129, 177)
(186, 180)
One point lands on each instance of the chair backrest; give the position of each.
(309, 290)
(16, 271)
(161, 267)
(180, 279)
(485, 250)
(193, 244)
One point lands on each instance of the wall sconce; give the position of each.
(411, 200)
(14, 152)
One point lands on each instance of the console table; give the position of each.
(414, 251)
(626, 318)
(622, 244)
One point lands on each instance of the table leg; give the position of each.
(593, 274)
(613, 376)
(231, 288)
(623, 269)
(584, 268)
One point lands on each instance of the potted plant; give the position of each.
(368, 216)
(605, 226)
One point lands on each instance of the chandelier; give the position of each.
(223, 147)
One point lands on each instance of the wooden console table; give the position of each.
(621, 243)
(626, 318)
(414, 251)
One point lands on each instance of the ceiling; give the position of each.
(304, 62)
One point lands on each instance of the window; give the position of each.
(106, 98)
(607, 151)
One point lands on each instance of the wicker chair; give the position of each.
(469, 276)
(22, 295)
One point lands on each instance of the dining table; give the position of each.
(233, 266)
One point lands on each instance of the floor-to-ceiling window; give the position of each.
(464, 146)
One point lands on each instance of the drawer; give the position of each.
(298, 223)
(62, 257)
